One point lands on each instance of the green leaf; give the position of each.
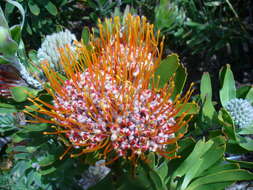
(249, 95)
(245, 131)
(157, 180)
(16, 33)
(162, 170)
(3, 21)
(216, 186)
(151, 160)
(7, 108)
(34, 8)
(227, 123)
(166, 69)
(245, 142)
(85, 35)
(22, 156)
(7, 46)
(206, 88)
(219, 168)
(17, 138)
(243, 164)
(242, 91)
(221, 177)
(48, 170)
(180, 79)
(206, 161)
(190, 163)
(7, 122)
(20, 93)
(190, 108)
(209, 114)
(51, 8)
(21, 10)
(228, 90)
(48, 160)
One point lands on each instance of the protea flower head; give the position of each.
(110, 101)
(241, 112)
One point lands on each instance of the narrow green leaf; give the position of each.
(162, 170)
(7, 108)
(51, 8)
(206, 88)
(223, 176)
(34, 8)
(47, 171)
(228, 90)
(180, 79)
(212, 186)
(243, 164)
(249, 95)
(85, 35)
(157, 180)
(3, 21)
(209, 114)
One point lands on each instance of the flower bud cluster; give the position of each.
(51, 45)
(241, 111)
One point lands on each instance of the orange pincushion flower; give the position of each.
(108, 102)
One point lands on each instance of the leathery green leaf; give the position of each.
(180, 79)
(190, 163)
(209, 114)
(222, 176)
(228, 90)
(157, 180)
(166, 69)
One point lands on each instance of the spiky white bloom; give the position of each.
(241, 112)
(50, 47)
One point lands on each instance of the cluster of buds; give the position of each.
(110, 101)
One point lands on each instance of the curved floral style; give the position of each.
(110, 101)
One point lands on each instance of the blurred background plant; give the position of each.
(45, 17)
(209, 34)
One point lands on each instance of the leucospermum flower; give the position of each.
(110, 101)
(241, 112)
